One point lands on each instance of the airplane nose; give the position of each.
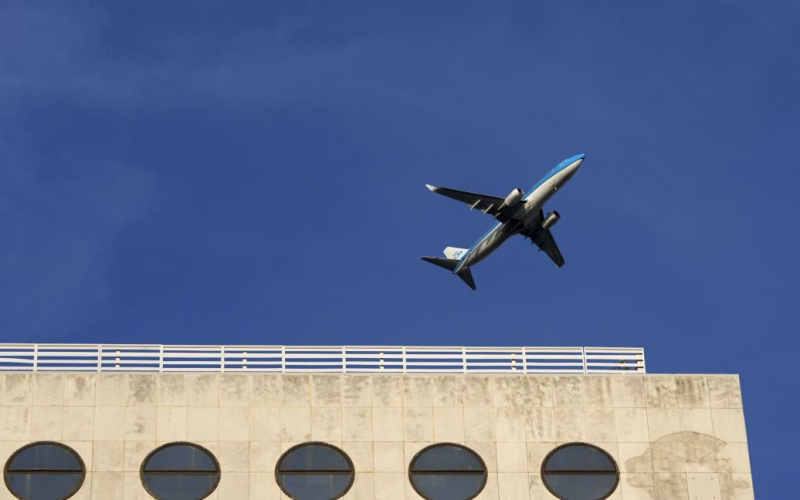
(578, 162)
(574, 164)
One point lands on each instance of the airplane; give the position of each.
(517, 213)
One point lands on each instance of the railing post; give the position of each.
(344, 359)
(283, 359)
(222, 359)
(380, 361)
(35, 357)
(585, 363)
(524, 361)
(464, 359)
(161, 358)
(99, 357)
(404, 359)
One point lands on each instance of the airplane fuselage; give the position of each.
(526, 215)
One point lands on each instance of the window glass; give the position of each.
(447, 457)
(580, 457)
(44, 471)
(180, 471)
(315, 457)
(579, 471)
(315, 471)
(447, 472)
(181, 457)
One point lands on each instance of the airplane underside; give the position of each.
(517, 213)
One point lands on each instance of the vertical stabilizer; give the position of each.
(455, 253)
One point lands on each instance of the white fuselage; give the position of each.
(526, 213)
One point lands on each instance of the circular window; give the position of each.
(180, 471)
(315, 471)
(578, 471)
(44, 471)
(447, 472)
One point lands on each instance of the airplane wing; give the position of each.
(543, 239)
(483, 202)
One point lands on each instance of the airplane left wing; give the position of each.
(483, 202)
(543, 239)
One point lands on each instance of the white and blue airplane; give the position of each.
(517, 213)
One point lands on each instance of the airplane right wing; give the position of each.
(483, 202)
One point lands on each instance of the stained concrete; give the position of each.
(674, 437)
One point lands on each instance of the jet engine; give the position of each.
(550, 220)
(513, 198)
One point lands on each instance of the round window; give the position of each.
(447, 472)
(44, 471)
(180, 471)
(315, 471)
(578, 471)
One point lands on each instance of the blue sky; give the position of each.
(253, 172)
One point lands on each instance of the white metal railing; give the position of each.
(347, 359)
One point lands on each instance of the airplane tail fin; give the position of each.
(450, 265)
(455, 253)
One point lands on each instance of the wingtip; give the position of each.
(431, 188)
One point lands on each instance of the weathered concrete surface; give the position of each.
(674, 437)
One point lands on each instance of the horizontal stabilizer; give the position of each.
(466, 275)
(450, 265)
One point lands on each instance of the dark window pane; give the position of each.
(579, 457)
(45, 456)
(38, 486)
(180, 471)
(180, 457)
(44, 471)
(447, 458)
(580, 472)
(315, 471)
(448, 472)
(180, 486)
(448, 487)
(315, 486)
(314, 457)
(581, 486)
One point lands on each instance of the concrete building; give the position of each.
(647, 436)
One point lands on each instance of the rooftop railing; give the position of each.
(318, 359)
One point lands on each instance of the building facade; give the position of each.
(667, 437)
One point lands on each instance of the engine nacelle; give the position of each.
(513, 198)
(550, 220)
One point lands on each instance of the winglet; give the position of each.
(432, 189)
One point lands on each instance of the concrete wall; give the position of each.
(674, 437)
